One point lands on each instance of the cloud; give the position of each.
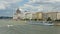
(41, 5)
(7, 3)
(28, 7)
(55, 0)
(33, 1)
(13, 1)
(7, 7)
(3, 4)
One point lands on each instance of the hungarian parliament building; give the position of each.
(36, 15)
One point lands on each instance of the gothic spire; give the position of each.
(18, 11)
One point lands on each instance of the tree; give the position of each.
(49, 19)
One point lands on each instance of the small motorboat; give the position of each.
(42, 22)
(48, 23)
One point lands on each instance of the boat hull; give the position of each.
(41, 23)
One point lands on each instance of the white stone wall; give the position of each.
(28, 16)
(52, 15)
(16, 16)
(58, 16)
(34, 16)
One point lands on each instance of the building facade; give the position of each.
(17, 15)
(58, 15)
(27, 15)
(52, 15)
(37, 16)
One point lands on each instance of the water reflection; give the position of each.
(30, 29)
(15, 27)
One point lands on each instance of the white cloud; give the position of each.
(43, 0)
(40, 7)
(7, 3)
(38, 1)
(44, 5)
(13, 1)
(33, 1)
(55, 0)
(32, 8)
(2, 6)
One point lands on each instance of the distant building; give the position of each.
(34, 16)
(52, 15)
(17, 15)
(45, 16)
(28, 15)
(58, 15)
(37, 15)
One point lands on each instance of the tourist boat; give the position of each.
(41, 22)
(48, 23)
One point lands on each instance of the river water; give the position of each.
(28, 29)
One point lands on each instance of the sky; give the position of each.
(8, 7)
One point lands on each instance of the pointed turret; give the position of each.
(18, 11)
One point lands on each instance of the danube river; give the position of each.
(21, 27)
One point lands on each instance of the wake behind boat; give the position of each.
(41, 22)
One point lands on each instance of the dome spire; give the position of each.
(18, 11)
